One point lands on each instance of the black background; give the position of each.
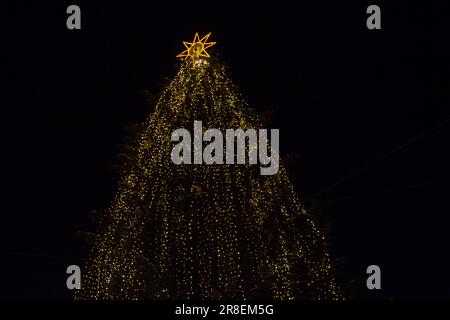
(344, 97)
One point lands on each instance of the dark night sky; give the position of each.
(343, 97)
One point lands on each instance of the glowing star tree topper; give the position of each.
(196, 48)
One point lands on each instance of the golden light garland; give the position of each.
(206, 231)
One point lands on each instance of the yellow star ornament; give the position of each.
(196, 48)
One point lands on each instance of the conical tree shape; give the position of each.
(204, 231)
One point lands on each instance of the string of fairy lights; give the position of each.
(203, 227)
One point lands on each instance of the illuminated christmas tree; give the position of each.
(195, 231)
